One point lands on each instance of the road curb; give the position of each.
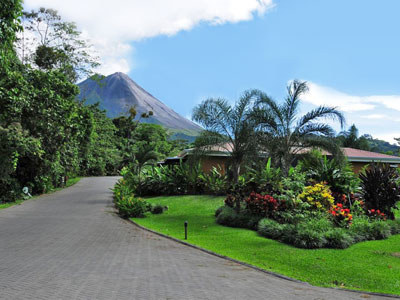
(255, 267)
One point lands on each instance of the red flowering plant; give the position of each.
(347, 200)
(341, 216)
(263, 205)
(376, 214)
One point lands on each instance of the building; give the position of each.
(217, 156)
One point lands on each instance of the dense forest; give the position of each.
(46, 135)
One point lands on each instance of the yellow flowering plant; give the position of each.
(318, 196)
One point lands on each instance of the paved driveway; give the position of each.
(70, 245)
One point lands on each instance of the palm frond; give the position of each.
(316, 129)
(321, 112)
(214, 114)
(272, 110)
(290, 108)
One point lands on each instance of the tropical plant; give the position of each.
(286, 135)
(379, 188)
(265, 179)
(231, 128)
(263, 205)
(131, 206)
(338, 174)
(318, 196)
(215, 181)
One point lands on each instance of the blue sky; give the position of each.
(347, 50)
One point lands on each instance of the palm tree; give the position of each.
(230, 128)
(144, 155)
(285, 134)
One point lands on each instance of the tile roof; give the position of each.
(351, 153)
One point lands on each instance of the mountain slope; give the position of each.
(116, 93)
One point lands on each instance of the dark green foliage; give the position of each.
(381, 146)
(215, 182)
(351, 139)
(265, 179)
(229, 217)
(158, 209)
(271, 229)
(394, 226)
(379, 188)
(131, 207)
(219, 210)
(308, 238)
(100, 155)
(380, 230)
(338, 238)
(173, 180)
(360, 229)
(45, 135)
(364, 229)
(310, 233)
(338, 174)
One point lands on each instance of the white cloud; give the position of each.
(389, 137)
(380, 118)
(322, 95)
(374, 117)
(391, 101)
(112, 25)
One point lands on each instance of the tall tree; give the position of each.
(232, 128)
(50, 43)
(286, 134)
(350, 138)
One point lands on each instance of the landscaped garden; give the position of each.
(293, 212)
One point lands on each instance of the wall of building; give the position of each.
(358, 166)
(209, 162)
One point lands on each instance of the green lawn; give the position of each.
(371, 266)
(70, 182)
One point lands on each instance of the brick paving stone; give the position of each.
(71, 245)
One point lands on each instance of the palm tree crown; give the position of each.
(232, 128)
(286, 134)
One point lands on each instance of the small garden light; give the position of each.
(186, 225)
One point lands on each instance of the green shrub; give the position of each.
(394, 226)
(289, 233)
(229, 217)
(338, 238)
(309, 239)
(218, 211)
(364, 229)
(360, 229)
(158, 209)
(10, 190)
(270, 229)
(310, 234)
(129, 207)
(380, 230)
